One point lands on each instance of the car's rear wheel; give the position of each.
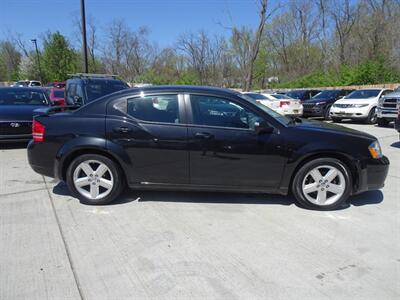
(382, 122)
(372, 117)
(322, 184)
(94, 179)
(336, 120)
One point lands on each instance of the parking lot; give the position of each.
(195, 245)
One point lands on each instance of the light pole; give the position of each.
(85, 57)
(38, 59)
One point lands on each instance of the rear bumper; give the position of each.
(372, 174)
(39, 161)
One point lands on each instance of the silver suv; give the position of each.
(387, 108)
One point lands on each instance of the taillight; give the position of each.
(38, 130)
(283, 103)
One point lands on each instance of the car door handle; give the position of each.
(203, 135)
(122, 129)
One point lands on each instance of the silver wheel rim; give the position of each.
(324, 185)
(93, 179)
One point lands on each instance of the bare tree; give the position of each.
(255, 46)
(344, 16)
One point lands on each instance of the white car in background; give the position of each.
(358, 105)
(282, 104)
(26, 83)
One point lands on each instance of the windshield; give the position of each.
(280, 118)
(363, 94)
(24, 83)
(97, 89)
(22, 97)
(326, 94)
(256, 96)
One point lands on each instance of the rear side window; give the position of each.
(155, 108)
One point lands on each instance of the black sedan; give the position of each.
(16, 111)
(320, 104)
(198, 138)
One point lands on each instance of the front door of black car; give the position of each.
(224, 148)
(153, 136)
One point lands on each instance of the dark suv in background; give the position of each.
(320, 104)
(83, 88)
(302, 95)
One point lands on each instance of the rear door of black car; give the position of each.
(151, 130)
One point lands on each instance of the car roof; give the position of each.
(181, 89)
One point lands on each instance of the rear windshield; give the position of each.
(296, 94)
(256, 96)
(97, 89)
(363, 94)
(59, 94)
(22, 97)
(280, 96)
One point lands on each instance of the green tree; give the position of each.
(59, 58)
(10, 59)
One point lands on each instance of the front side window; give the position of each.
(215, 111)
(155, 108)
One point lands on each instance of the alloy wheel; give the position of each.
(324, 185)
(93, 179)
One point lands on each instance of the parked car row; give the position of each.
(367, 105)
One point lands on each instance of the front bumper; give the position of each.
(349, 113)
(372, 174)
(386, 113)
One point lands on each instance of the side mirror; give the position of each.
(263, 128)
(77, 100)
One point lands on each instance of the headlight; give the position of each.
(359, 105)
(320, 103)
(375, 150)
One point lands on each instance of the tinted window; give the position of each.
(22, 97)
(157, 108)
(363, 94)
(279, 96)
(214, 111)
(297, 94)
(59, 94)
(327, 94)
(99, 88)
(35, 83)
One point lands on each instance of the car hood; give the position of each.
(357, 101)
(313, 125)
(17, 112)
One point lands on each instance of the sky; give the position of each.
(166, 19)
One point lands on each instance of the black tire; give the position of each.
(372, 118)
(336, 120)
(301, 174)
(382, 122)
(115, 170)
(327, 116)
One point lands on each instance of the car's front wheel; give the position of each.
(94, 179)
(323, 184)
(372, 117)
(382, 122)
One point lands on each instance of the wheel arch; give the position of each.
(344, 158)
